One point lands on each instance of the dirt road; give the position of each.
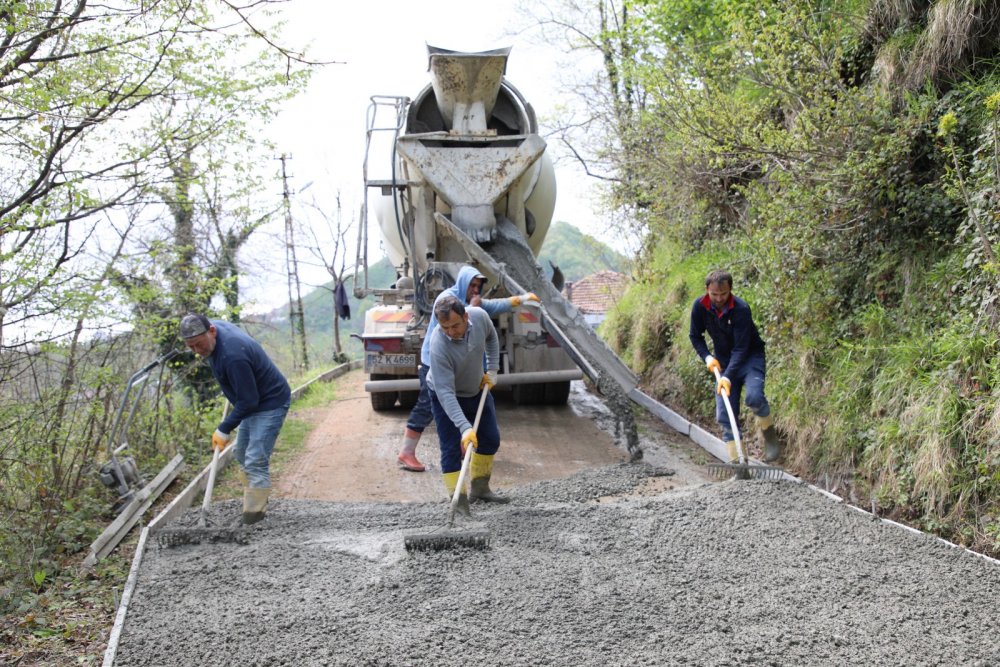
(351, 454)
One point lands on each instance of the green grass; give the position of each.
(291, 441)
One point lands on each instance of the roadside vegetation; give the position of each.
(841, 159)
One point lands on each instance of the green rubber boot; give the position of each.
(772, 447)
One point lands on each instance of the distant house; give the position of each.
(595, 294)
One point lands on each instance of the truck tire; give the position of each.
(528, 394)
(407, 399)
(383, 400)
(556, 393)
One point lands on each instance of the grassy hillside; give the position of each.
(577, 254)
(846, 172)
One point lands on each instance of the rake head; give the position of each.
(176, 537)
(442, 540)
(744, 471)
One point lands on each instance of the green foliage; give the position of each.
(858, 222)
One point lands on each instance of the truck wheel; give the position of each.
(407, 399)
(556, 393)
(528, 394)
(383, 400)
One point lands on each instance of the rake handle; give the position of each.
(732, 418)
(211, 476)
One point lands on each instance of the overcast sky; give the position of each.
(383, 47)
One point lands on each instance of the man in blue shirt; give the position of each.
(260, 397)
(738, 356)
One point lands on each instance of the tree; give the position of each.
(337, 233)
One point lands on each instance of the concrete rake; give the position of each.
(448, 537)
(174, 537)
(742, 469)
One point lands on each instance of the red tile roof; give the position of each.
(597, 292)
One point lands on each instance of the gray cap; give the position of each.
(193, 325)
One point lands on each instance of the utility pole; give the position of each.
(296, 314)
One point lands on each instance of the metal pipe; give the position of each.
(413, 384)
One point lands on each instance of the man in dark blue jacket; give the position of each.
(260, 397)
(739, 358)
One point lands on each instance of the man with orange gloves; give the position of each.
(456, 377)
(260, 397)
(738, 357)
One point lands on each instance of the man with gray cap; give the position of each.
(260, 397)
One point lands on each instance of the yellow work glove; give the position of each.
(220, 439)
(489, 380)
(712, 364)
(527, 299)
(724, 386)
(469, 438)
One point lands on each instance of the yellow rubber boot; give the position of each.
(254, 504)
(481, 470)
(772, 447)
(734, 454)
(734, 457)
(450, 482)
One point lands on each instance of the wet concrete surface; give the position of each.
(609, 567)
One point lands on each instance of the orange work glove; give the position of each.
(220, 439)
(489, 380)
(712, 364)
(724, 386)
(469, 438)
(527, 299)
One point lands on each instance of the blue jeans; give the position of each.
(752, 377)
(421, 415)
(450, 438)
(255, 442)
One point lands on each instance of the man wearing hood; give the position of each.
(467, 289)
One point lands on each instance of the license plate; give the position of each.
(377, 359)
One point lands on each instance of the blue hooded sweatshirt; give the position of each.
(459, 290)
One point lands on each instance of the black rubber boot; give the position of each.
(481, 491)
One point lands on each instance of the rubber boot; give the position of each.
(407, 455)
(254, 504)
(734, 457)
(450, 482)
(772, 447)
(481, 470)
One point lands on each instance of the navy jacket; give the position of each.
(734, 335)
(246, 375)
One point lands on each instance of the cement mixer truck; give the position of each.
(444, 171)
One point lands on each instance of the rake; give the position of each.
(742, 469)
(174, 537)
